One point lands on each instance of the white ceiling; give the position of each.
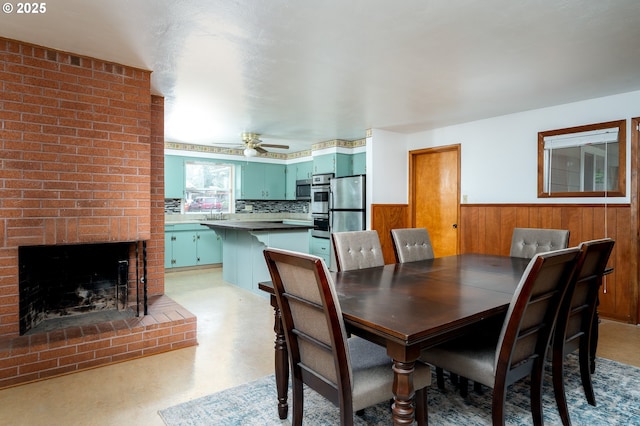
(306, 71)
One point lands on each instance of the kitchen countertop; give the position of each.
(242, 225)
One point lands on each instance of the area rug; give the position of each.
(616, 386)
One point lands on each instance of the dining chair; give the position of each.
(357, 250)
(576, 321)
(498, 358)
(525, 242)
(351, 374)
(411, 244)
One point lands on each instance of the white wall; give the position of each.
(388, 159)
(499, 162)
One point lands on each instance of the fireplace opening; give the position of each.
(65, 285)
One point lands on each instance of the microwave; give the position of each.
(303, 189)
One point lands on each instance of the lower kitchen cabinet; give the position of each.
(321, 247)
(191, 245)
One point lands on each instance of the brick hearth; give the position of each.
(168, 326)
(81, 162)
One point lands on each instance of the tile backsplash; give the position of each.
(174, 206)
(269, 206)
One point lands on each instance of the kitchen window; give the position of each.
(208, 187)
(584, 161)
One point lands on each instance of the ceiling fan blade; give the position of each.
(274, 146)
(260, 149)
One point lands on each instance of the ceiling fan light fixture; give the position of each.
(250, 152)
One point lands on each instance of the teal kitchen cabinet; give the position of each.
(321, 247)
(297, 171)
(261, 181)
(290, 182)
(252, 181)
(304, 170)
(208, 247)
(359, 163)
(173, 177)
(338, 164)
(191, 245)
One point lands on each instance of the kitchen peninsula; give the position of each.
(243, 242)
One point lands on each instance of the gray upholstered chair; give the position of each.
(499, 357)
(357, 250)
(525, 242)
(411, 244)
(352, 374)
(577, 321)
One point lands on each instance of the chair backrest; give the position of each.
(532, 313)
(573, 328)
(412, 244)
(357, 250)
(313, 324)
(526, 242)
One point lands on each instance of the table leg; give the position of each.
(403, 408)
(281, 362)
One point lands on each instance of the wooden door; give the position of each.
(434, 195)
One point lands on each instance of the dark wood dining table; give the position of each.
(410, 307)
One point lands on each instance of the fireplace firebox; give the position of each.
(67, 282)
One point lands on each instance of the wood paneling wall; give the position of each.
(487, 228)
(384, 218)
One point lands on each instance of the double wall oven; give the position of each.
(320, 190)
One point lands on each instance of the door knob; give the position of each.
(455, 226)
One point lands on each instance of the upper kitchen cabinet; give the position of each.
(297, 171)
(359, 163)
(304, 170)
(173, 177)
(338, 164)
(261, 181)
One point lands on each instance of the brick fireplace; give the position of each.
(81, 164)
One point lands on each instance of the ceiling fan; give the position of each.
(253, 145)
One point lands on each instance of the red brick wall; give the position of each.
(75, 156)
(81, 161)
(155, 247)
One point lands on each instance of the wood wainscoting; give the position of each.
(487, 228)
(384, 218)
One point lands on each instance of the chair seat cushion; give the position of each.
(471, 358)
(373, 373)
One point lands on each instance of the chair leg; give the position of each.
(558, 386)
(454, 378)
(585, 376)
(346, 415)
(298, 402)
(421, 407)
(464, 387)
(440, 377)
(536, 392)
(477, 387)
(497, 405)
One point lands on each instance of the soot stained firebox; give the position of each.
(71, 280)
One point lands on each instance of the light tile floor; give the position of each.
(235, 334)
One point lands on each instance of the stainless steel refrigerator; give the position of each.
(347, 206)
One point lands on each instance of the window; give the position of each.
(584, 161)
(208, 187)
